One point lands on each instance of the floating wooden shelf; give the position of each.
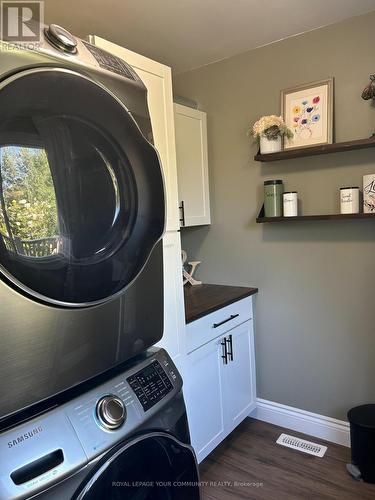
(337, 147)
(261, 219)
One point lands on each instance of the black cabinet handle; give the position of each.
(232, 316)
(182, 208)
(230, 352)
(225, 352)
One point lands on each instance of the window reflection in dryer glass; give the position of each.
(67, 205)
(28, 212)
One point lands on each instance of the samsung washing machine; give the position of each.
(125, 439)
(82, 214)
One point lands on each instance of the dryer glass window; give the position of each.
(81, 192)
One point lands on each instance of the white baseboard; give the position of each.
(330, 429)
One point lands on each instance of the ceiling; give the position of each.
(186, 34)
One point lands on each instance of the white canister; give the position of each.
(349, 200)
(369, 194)
(290, 204)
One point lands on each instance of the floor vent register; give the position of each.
(302, 445)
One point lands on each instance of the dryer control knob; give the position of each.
(111, 412)
(61, 38)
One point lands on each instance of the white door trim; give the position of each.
(313, 424)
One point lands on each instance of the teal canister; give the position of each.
(273, 198)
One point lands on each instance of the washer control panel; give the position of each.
(43, 451)
(150, 384)
(111, 412)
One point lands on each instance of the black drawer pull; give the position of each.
(232, 316)
(225, 352)
(230, 342)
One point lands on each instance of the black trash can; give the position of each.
(362, 439)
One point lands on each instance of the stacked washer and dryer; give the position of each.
(88, 408)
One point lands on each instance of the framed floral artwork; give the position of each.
(308, 111)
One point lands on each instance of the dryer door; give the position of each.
(152, 467)
(81, 189)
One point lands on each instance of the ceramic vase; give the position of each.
(269, 145)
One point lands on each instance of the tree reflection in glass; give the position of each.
(28, 211)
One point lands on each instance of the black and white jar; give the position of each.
(349, 200)
(290, 204)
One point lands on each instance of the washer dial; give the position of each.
(111, 412)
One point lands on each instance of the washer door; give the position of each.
(153, 467)
(81, 189)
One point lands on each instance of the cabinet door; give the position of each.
(239, 390)
(203, 397)
(192, 165)
(174, 311)
(158, 80)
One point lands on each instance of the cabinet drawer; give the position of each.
(203, 330)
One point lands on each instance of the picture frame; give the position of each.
(308, 111)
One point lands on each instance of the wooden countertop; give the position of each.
(204, 299)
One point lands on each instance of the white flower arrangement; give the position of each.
(272, 127)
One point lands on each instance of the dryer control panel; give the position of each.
(150, 384)
(110, 62)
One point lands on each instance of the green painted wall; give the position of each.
(315, 312)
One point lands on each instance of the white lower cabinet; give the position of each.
(203, 394)
(219, 391)
(239, 376)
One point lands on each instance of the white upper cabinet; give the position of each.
(158, 80)
(192, 166)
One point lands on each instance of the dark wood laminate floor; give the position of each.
(250, 455)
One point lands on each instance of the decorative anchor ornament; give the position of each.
(188, 277)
